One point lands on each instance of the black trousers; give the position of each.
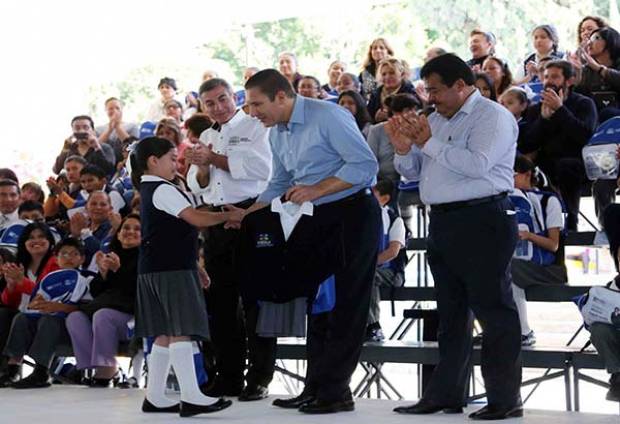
(6, 319)
(469, 252)
(335, 338)
(37, 337)
(232, 323)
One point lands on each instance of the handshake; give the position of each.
(407, 129)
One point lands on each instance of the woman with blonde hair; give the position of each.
(378, 50)
(393, 81)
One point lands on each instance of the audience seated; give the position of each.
(598, 67)
(481, 46)
(499, 72)
(167, 89)
(378, 50)
(586, 27)
(6, 311)
(116, 130)
(174, 110)
(9, 202)
(32, 191)
(33, 261)
(335, 70)
(93, 226)
(539, 256)
(561, 124)
(545, 41)
(83, 142)
(30, 210)
(98, 326)
(515, 100)
(484, 84)
(40, 328)
(309, 86)
(354, 103)
(287, 65)
(393, 80)
(348, 81)
(63, 197)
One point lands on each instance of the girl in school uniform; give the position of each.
(170, 305)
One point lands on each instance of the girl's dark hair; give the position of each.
(612, 41)
(523, 165)
(362, 117)
(36, 188)
(150, 146)
(115, 244)
(23, 256)
(507, 78)
(397, 103)
(487, 80)
(7, 256)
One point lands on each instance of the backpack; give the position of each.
(599, 155)
(399, 263)
(600, 304)
(526, 214)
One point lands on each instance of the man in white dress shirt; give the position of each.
(463, 156)
(231, 165)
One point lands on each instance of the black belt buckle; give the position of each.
(443, 207)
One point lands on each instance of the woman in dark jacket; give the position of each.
(394, 81)
(97, 327)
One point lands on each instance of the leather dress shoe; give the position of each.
(424, 407)
(149, 407)
(253, 392)
(491, 412)
(189, 409)
(327, 407)
(296, 402)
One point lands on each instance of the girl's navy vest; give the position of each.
(168, 243)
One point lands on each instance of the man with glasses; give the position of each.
(231, 165)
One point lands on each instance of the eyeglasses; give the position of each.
(70, 254)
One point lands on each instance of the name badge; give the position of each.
(264, 240)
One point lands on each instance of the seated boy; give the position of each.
(37, 331)
(391, 260)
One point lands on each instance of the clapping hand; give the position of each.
(550, 102)
(77, 223)
(407, 129)
(200, 155)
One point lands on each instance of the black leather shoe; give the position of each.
(296, 402)
(253, 392)
(327, 407)
(149, 407)
(219, 390)
(424, 407)
(189, 409)
(33, 381)
(490, 412)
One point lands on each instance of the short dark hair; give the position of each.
(212, 84)
(270, 82)
(313, 78)
(450, 69)
(84, 117)
(76, 158)
(93, 170)
(385, 186)
(564, 65)
(71, 242)
(9, 174)
(197, 123)
(29, 206)
(401, 101)
(112, 99)
(6, 182)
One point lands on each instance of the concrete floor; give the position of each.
(73, 404)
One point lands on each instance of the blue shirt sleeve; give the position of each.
(280, 181)
(360, 165)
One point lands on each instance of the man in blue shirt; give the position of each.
(463, 155)
(320, 156)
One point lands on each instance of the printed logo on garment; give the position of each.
(264, 240)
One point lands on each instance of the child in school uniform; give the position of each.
(170, 305)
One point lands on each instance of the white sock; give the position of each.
(136, 365)
(159, 365)
(519, 296)
(182, 360)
